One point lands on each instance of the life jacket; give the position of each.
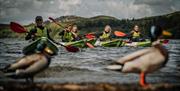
(67, 37)
(105, 36)
(41, 33)
(136, 34)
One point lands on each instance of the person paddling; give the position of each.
(39, 30)
(106, 35)
(135, 34)
(75, 33)
(66, 34)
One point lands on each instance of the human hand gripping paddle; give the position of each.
(88, 44)
(20, 29)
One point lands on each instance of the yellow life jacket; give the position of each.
(136, 34)
(68, 37)
(41, 33)
(105, 36)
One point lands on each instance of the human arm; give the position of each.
(31, 34)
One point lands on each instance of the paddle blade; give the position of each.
(89, 45)
(71, 48)
(90, 36)
(119, 34)
(17, 28)
(166, 41)
(166, 33)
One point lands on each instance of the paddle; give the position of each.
(20, 29)
(17, 28)
(119, 34)
(90, 36)
(70, 48)
(165, 41)
(56, 22)
(166, 33)
(88, 44)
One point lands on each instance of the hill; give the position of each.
(169, 22)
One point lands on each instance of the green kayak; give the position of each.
(80, 43)
(140, 44)
(31, 48)
(110, 43)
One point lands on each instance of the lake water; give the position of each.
(88, 64)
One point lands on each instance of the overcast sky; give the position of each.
(24, 11)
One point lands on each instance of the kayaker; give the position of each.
(66, 34)
(29, 65)
(106, 35)
(146, 60)
(39, 30)
(135, 34)
(75, 33)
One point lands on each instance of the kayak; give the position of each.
(31, 48)
(80, 43)
(110, 43)
(139, 44)
(146, 43)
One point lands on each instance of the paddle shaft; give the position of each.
(61, 44)
(56, 22)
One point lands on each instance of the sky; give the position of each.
(24, 11)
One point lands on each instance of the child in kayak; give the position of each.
(135, 34)
(66, 34)
(106, 35)
(75, 33)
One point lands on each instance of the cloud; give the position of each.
(160, 6)
(24, 11)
